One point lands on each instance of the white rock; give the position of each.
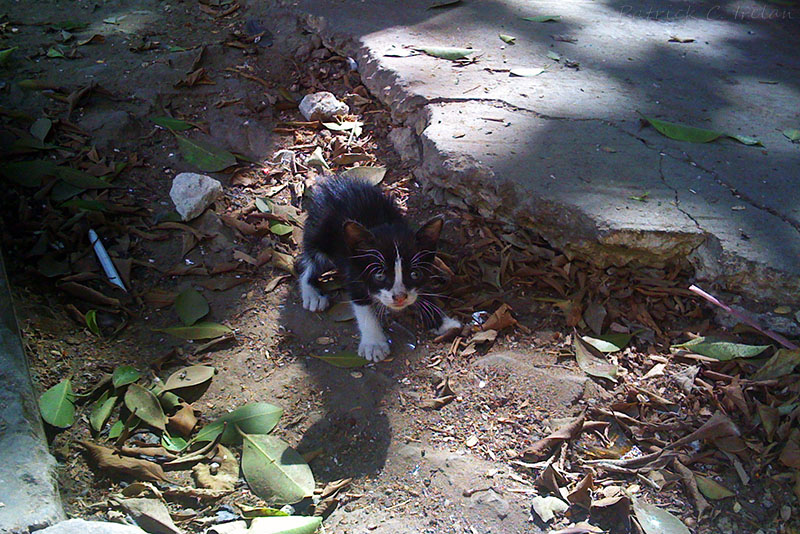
(79, 526)
(192, 193)
(322, 106)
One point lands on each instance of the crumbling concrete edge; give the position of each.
(454, 178)
(27, 473)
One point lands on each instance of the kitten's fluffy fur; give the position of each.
(354, 227)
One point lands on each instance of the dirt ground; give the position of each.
(457, 465)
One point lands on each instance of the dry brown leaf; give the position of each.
(226, 475)
(247, 258)
(581, 494)
(500, 319)
(154, 451)
(790, 455)
(183, 421)
(110, 463)
(88, 294)
(151, 515)
(550, 479)
(484, 336)
(542, 448)
(275, 282)
(159, 298)
(690, 483)
(718, 426)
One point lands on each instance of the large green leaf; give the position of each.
(101, 410)
(173, 443)
(654, 520)
(609, 342)
(81, 179)
(205, 156)
(146, 406)
(447, 52)
(57, 405)
(543, 18)
(28, 173)
(124, 375)
(792, 134)
(171, 124)
(280, 229)
(345, 359)
(191, 306)
(293, 524)
(256, 418)
(683, 133)
(204, 330)
(91, 322)
(274, 471)
(40, 128)
(712, 489)
(189, 377)
(720, 350)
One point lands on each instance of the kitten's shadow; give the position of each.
(350, 431)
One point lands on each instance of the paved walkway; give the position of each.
(565, 151)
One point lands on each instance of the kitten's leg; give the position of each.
(446, 324)
(373, 345)
(435, 318)
(311, 267)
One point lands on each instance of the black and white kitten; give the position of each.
(352, 226)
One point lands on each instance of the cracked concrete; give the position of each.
(565, 152)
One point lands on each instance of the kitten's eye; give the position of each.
(380, 276)
(415, 274)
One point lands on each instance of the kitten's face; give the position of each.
(393, 264)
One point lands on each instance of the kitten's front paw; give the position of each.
(314, 301)
(373, 350)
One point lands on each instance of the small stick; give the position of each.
(744, 318)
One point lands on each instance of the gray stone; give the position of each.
(29, 495)
(778, 323)
(80, 526)
(406, 144)
(109, 127)
(192, 193)
(322, 106)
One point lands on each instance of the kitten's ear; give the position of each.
(428, 235)
(356, 236)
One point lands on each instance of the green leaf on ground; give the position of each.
(6, 54)
(592, 361)
(554, 56)
(654, 520)
(146, 406)
(55, 53)
(746, 140)
(792, 134)
(373, 175)
(205, 330)
(293, 524)
(447, 52)
(80, 179)
(124, 375)
(280, 229)
(57, 405)
(63, 191)
(29, 173)
(712, 489)
(173, 443)
(91, 322)
(507, 38)
(171, 124)
(41, 128)
(346, 359)
(189, 377)
(720, 350)
(101, 410)
(256, 418)
(781, 364)
(680, 132)
(274, 471)
(609, 342)
(341, 312)
(204, 156)
(116, 430)
(443, 3)
(543, 18)
(526, 72)
(251, 512)
(191, 306)
(345, 126)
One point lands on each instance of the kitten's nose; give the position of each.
(400, 298)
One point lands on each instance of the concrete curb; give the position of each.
(28, 491)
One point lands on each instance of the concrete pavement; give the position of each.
(565, 152)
